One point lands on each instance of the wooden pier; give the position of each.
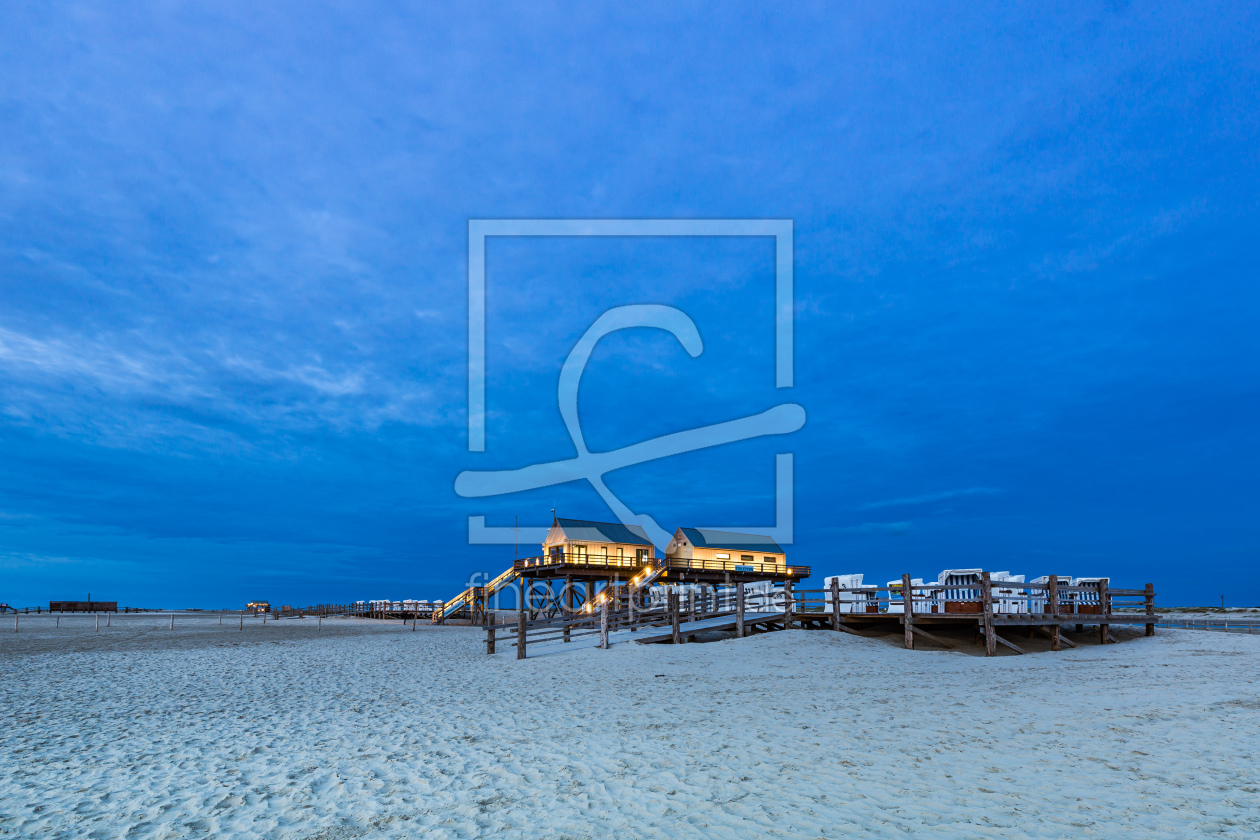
(1049, 609)
(559, 585)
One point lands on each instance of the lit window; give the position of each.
(747, 558)
(723, 556)
(769, 559)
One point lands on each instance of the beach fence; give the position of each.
(1220, 624)
(173, 619)
(993, 605)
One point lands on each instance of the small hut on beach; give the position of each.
(604, 543)
(743, 552)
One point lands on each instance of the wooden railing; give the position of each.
(1048, 605)
(770, 569)
(609, 561)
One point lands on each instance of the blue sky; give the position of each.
(233, 302)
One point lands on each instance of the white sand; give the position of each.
(371, 731)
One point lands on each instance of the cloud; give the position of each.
(879, 528)
(896, 528)
(934, 497)
(132, 378)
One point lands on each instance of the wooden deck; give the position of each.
(630, 619)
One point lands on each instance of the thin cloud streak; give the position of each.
(927, 498)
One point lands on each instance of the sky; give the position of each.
(234, 287)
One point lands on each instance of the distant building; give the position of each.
(597, 543)
(83, 606)
(258, 606)
(726, 550)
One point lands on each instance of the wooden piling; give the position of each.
(739, 610)
(907, 599)
(520, 632)
(789, 602)
(172, 621)
(490, 636)
(242, 622)
(1150, 610)
(1056, 641)
(603, 625)
(568, 589)
(675, 608)
(98, 622)
(835, 604)
(986, 598)
(1104, 610)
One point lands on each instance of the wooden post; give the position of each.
(1056, 641)
(1150, 610)
(739, 610)
(319, 623)
(675, 610)
(568, 615)
(108, 616)
(15, 622)
(907, 611)
(789, 601)
(835, 604)
(986, 598)
(1104, 610)
(490, 636)
(172, 621)
(630, 599)
(98, 622)
(520, 633)
(603, 625)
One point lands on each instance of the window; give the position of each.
(621, 552)
(640, 554)
(769, 559)
(579, 551)
(723, 556)
(746, 558)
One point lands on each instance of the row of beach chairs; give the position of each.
(955, 590)
(420, 607)
(959, 590)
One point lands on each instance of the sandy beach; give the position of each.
(364, 729)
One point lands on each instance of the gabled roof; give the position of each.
(704, 538)
(611, 532)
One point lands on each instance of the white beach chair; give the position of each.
(847, 601)
(1087, 603)
(763, 596)
(1039, 599)
(958, 591)
(922, 596)
(1008, 598)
